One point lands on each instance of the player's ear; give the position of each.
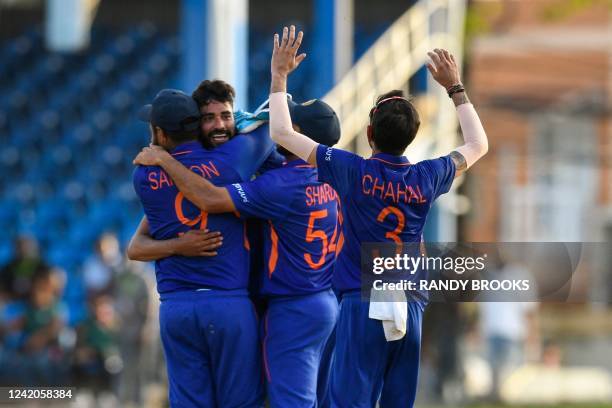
(160, 136)
(369, 133)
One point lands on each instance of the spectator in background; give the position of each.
(132, 290)
(510, 329)
(39, 358)
(552, 355)
(96, 356)
(17, 276)
(99, 269)
(43, 317)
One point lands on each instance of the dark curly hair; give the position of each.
(215, 90)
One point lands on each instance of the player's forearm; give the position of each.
(278, 83)
(144, 248)
(460, 98)
(281, 129)
(201, 192)
(475, 144)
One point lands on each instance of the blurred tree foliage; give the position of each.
(485, 17)
(566, 8)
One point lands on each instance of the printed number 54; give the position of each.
(312, 234)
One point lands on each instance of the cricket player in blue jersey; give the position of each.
(301, 238)
(207, 322)
(383, 199)
(219, 124)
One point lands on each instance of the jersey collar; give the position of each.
(186, 147)
(391, 159)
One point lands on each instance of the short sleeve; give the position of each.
(138, 178)
(441, 172)
(248, 151)
(265, 197)
(338, 168)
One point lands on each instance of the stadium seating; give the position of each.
(68, 131)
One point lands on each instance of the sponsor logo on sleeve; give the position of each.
(328, 154)
(241, 192)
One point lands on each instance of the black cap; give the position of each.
(173, 111)
(317, 120)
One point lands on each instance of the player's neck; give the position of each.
(376, 151)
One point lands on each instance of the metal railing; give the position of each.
(396, 56)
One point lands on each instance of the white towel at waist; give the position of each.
(390, 307)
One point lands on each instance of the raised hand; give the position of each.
(444, 68)
(284, 54)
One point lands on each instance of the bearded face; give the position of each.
(217, 123)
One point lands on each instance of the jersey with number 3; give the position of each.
(302, 234)
(170, 214)
(383, 199)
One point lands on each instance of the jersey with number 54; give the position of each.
(383, 199)
(170, 214)
(302, 235)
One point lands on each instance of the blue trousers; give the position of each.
(325, 371)
(366, 367)
(210, 341)
(296, 330)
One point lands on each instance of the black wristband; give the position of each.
(455, 89)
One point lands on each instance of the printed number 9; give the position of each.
(178, 208)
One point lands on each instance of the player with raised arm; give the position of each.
(301, 238)
(383, 199)
(207, 322)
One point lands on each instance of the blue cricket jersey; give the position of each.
(170, 214)
(383, 199)
(302, 233)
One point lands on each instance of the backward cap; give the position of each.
(317, 120)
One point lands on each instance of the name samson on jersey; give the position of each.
(160, 179)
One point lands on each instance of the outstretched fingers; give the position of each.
(291, 36)
(298, 40)
(447, 56)
(285, 39)
(431, 68)
(435, 58)
(300, 58)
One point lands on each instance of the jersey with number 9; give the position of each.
(170, 214)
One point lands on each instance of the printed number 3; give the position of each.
(401, 222)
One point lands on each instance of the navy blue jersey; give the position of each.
(170, 214)
(383, 199)
(302, 232)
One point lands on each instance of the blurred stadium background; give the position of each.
(74, 72)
